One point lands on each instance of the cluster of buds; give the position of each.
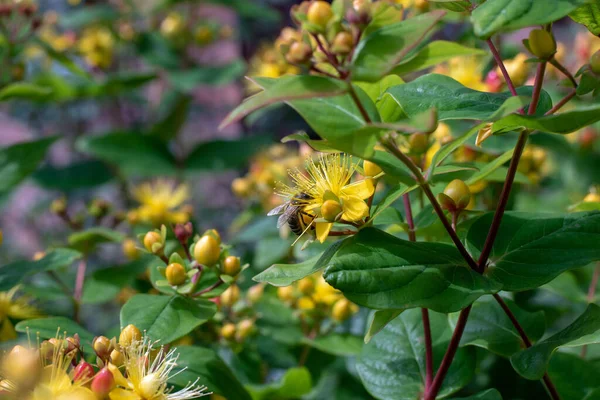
(179, 31)
(100, 210)
(184, 270)
(315, 300)
(22, 11)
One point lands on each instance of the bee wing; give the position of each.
(285, 217)
(277, 210)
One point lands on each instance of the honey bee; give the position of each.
(291, 213)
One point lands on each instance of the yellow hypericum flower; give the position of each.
(161, 202)
(42, 374)
(14, 307)
(328, 179)
(147, 371)
(97, 45)
(324, 293)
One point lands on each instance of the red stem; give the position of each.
(500, 63)
(78, 292)
(449, 356)
(424, 311)
(561, 103)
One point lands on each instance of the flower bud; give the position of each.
(342, 43)
(306, 286)
(493, 81)
(299, 53)
(98, 208)
(418, 142)
(130, 249)
(320, 13)
(228, 331)
(331, 210)
(59, 206)
(240, 187)
(343, 309)
(103, 383)
(117, 358)
(305, 304)
(153, 242)
(231, 266)
(102, 346)
(183, 232)
(214, 233)
(129, 335)
(595, 62)
(244, 329)
(207, 250)
(371, 169)
(175, 274)
(230, 296)
(21, 365)
(255, 293)
(456, 196)
(172, 26)
(285, 293)
(83, 372)
(542, 44)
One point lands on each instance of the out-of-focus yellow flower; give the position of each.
(328, 179)
(16, 307)
(268, 62)
(518, 69)
(324, 293)
(147, 370)
(466, 70)
(161, 202)
(441, 136)
(96, 45)
(533, 163)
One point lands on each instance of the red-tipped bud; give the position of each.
(183, 232)
(103, 383)
(83, 372)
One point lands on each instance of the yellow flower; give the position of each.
(329, 179)
(147, 371)
(14, 307)
(466, 70)
(54, 382)
(325, 293)
(96, 45)
(160, 202)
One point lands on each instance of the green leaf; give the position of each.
(220, 155)
(89, 15)
(376, 89)
(286, 274)
(574, 378)
(60, 58)
(491, 329)
(48, 328)
(167, 318)
(392, 364)
(134, 154)
(286, 88)
(393, 167)
(563, 123)
(507, 15)
(490, 394)
(379, 320)
(532, 363)
(79, 175)
(435, 53)
(380, 271)
(454, 5)
(449, 148)
(188, 81)
(24, 91)
(85, 241)
(12, 274)
(588, 15)
(296, 382)
(341, 345)
(170, 126)
(20, 160)
(452, 100)
(392, 196)
(210, 370)
(490, 167)
(532, 249)
(338, 119)
(381, 51)
(105, 284)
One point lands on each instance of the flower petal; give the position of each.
(119, 378)
(122, 394)
(355, 208)
(322, 230)
(363, 189)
